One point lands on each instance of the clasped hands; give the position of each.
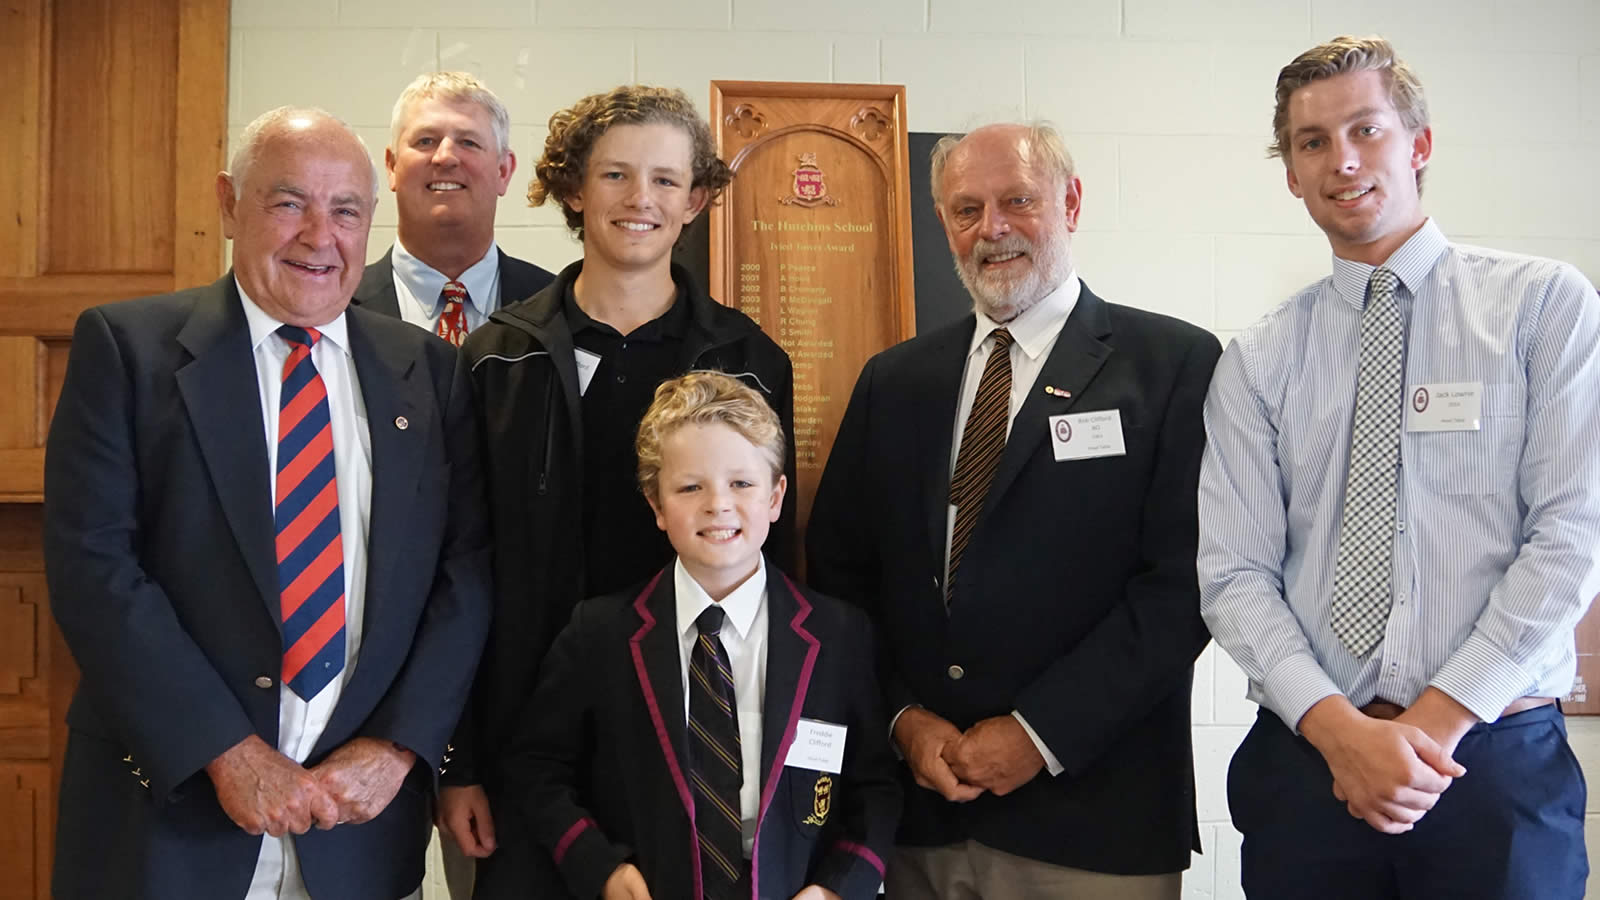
(994, 755)
(265, 792)
(1389, 773)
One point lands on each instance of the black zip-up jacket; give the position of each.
(526, 387)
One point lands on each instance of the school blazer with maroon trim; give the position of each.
(599, 761)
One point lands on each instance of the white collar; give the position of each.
(262, 325)
(427, 283)
(1039, 324)
(741, 605)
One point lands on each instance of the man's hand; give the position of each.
(625, 883)
(815, 892)
(921, 737)
(263, 791)
(363, 776)
(996, 754)
(1388, 773)
(464, 816)
(1441, 718)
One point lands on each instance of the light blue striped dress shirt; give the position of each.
(1497, 530)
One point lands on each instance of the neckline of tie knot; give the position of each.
(294, 334)
(710, 620)
(1002, 338)
(455, 290)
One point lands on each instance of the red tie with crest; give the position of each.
(453, 318)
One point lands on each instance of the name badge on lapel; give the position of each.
(1089, 435)
(587, 364)
(1451, 406)
(817, 745)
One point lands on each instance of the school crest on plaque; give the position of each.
(822, 801)
(810, 187)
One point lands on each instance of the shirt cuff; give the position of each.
(1295, 685)
(892, 722)
(1051, 764)
(1482, 678)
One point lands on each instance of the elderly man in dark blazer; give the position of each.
(266, 547)
(1012, 497)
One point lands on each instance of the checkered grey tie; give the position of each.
(1362, 576)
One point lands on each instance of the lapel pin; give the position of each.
(1055, 391)
(401, 423)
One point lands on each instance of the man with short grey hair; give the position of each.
(1012, 498)
(267, 549)
(449, 162)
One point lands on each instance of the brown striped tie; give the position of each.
(715, 761)
(983, 439)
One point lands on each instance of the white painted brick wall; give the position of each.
(1167, 104)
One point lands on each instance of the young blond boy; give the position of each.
(720, 733)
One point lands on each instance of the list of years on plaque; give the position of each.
(801, 303)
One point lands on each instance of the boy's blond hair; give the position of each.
(705, 398)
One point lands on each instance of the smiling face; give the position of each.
(299, 221)
(1354, 163)
(636, 196)
(716, 498)
(1009, 220)
(446, 167)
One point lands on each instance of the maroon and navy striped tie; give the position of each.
(716, 761)
(310, 549)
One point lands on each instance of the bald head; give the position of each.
(303, 124)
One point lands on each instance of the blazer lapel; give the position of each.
(657, 665)
(1077, 357)
(398, 425)
(229, 429)
(376, 291)
(791, 656)
(945, 363)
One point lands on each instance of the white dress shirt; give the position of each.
(744, 636)
(1495, 528)
(300, 722)
(1033, 336)
(418, 286)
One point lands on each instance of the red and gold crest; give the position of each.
(810, 187)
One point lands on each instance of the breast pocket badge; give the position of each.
(822, 801)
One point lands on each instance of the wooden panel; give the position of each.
(22, 48)
(48, 306)
(113, 115)
(20, 527)
(25, 650)
(25, 823)
(21, 406)
(201, 139)
(18, 643)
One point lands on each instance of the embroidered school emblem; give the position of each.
(822, 802)
(809, 187)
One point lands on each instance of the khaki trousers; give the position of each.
(971, 871)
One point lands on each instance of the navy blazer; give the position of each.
(159, 550)
(600, 758)
(518, 281)
(1076, 602)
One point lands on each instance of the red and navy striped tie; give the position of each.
(310, 549)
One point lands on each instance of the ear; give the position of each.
(1294, 183)
(697, 203)
(779, 488)
(508, 167)
(1074, 202)
(655, 507)
(1421, 149)
(388, 165)
(227, 200)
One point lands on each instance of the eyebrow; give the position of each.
(1365, 112)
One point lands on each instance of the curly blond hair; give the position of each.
(558, 175)
(705, 398)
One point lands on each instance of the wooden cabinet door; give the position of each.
(120, 111)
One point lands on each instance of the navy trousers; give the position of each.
(1511, 828)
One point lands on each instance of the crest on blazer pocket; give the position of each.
(821, 801)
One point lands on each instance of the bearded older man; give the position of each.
(1012, 498)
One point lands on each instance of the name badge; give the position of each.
(1087, 435)
(1454, 406)
(817, 745)
(587, 364)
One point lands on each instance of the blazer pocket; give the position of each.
(814, 795)
(1478, 462)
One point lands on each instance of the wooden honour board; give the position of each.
(813, 238)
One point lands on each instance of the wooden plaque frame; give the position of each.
(813, 237)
